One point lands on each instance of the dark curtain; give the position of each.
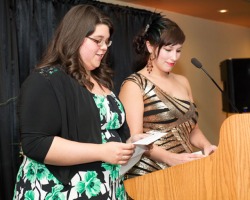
(9, 88)
(42, 17)
(26, 28)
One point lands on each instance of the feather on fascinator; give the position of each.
(154, 22)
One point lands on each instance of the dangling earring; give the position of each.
(149, 64)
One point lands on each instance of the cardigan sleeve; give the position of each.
(40, 118)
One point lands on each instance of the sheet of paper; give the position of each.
(140, 149)
(153, 136)
(198, 152)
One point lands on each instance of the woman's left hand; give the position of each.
(137, 137)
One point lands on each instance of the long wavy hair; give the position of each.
(160, 31)
(63, 50)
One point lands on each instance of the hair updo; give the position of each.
(160, 31)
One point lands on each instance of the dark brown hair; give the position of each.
(79, 22)
(160, 31)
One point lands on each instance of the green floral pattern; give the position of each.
(99, 100)
(56, 193)
(35, 182)
(29, 195)
(120, 191)
(113, 169)
(35, 171)
(91, 184)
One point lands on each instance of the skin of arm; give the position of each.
(197, 138)
(74, 153)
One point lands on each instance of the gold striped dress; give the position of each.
(163, 113)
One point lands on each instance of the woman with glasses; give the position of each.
(71, 122)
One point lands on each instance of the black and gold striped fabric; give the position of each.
(163, 113)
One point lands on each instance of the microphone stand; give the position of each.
(229, 100)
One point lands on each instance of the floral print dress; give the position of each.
(35, 182)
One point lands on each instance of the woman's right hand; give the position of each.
(116, 152)
(176, 159)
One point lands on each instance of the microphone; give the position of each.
(197, 64)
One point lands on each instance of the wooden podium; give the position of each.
(224, 175)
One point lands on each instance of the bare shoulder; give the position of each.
(130, 85)
(131, 97)
(181, 79)
(129, 88)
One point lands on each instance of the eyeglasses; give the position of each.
(100, 43)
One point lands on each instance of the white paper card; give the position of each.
(198, 153)
(140, 149)
(153, 136)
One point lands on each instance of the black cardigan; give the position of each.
(52, 103)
